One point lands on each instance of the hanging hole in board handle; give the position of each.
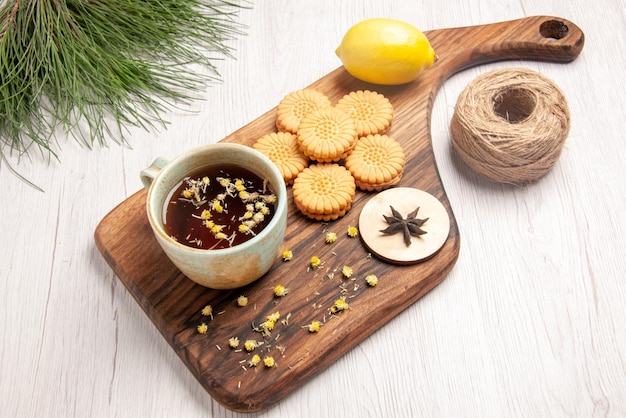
(553, 29)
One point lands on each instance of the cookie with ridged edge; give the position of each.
(324, 192)
(327, 135)
(372, 112)
(282, 148)
(377, 162)
(297, 104)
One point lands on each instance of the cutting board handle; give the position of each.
(542, 38)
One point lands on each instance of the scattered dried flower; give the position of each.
(233, 342)
(254, 361)
(203, 328)
(315, 262)
(371, 280)
(340, 305)
(347, 271)
(207, 311)
(315, 326)
(242, 301)
(280, 290)
(269, 361)
(250, 345)
(287, 255)
(331, 237)
(274, 317)
(353, 231)
(267, 327)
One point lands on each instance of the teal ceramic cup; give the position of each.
(226, 268)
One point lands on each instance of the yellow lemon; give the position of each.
(385, 51)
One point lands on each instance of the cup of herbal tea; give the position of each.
(219, 212)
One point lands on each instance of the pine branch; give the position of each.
(97, 67)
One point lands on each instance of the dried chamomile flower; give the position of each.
(315, 326)
(203, 328)
(315, 262)
(267, 327)
(371, 280)
(245, 229)
(353, 231)
(331, 237)
(269, 361)
(221, 235)
(280, 290)
(287, 255)
(242, 301)
(347, 271)
(250, 345)
(258, 217)
(217, 206)
(233, 342)
(254, 361)
(224, 181)
(340, 305)
(207, 311)
(270, 198)
(274, 317)
(239, 185)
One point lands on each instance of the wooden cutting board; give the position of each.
(174, 303)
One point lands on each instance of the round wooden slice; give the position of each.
(392, 247)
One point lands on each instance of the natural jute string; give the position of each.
(510, 125)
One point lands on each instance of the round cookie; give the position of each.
(294, 106)
(282, 148)
(372, 112)
(327, 135)
(377, 162)
(324, 192)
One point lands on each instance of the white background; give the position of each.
(530, 322)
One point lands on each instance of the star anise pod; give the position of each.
(409, 226)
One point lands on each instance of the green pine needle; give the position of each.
(96, 67)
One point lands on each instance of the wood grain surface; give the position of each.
(174, 303)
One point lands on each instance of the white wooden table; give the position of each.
(530, 322)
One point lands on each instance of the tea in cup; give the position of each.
(219, 212)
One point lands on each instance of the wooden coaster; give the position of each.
(392, 247)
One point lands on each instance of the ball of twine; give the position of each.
(510, 125)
